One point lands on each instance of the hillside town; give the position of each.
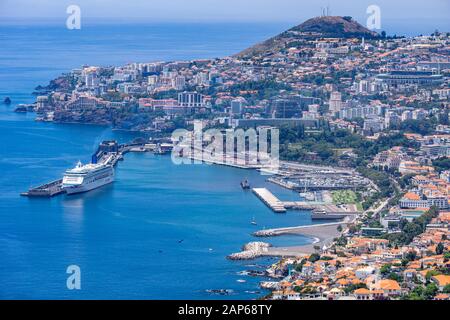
(374, 103)
(370, 268)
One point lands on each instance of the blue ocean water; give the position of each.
(125, 237)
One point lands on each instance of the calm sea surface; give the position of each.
(125, 237)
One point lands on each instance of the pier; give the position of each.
(270, 200)
(108, 152)
(301, 205)
(311, 230)
(323, 211)
(47, 190)
(320, 210)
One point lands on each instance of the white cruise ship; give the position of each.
(87, 177)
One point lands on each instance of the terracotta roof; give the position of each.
(299, 282)
(285, 284)
(388, 284)
(442, 279)
(411, 196)
(362, 291)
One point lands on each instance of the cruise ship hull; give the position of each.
(88, 187)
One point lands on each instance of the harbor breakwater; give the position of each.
(251, 251)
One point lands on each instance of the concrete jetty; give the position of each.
(323, 211)
(270, 200)
(311, 230)
(47, 190)
(301, 205)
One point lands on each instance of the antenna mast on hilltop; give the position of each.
(325, 12)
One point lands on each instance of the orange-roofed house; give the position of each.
(291, 295)
(414, 265)
(363, 245)
(389, 287)
(308, 269)
(412, 200)
(444, 217)
(411, 196)
(441, 281)
(299, 283)
(343, 282)
(442, 297)
(419, 180)
(287, 294)
(362, 294)
(285, 284)
(334, 294)
(413, 167)
(413, 136)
